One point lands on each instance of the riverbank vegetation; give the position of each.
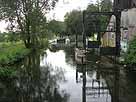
(26, 31)
(130, 57)
(12, 52)
(27, 28)
(7, 72)
(28, 18)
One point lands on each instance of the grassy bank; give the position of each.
(12, 52)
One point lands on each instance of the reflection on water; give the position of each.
(34, 83)
(54, 77)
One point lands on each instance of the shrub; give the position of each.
(7, 72)
(11, 52)
(130, 57)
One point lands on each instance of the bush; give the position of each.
(7, 72)
(11, 52)
(130, 57)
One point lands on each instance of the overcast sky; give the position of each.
(62, 7)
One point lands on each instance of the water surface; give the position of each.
(55, 77)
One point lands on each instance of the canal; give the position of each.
(53, 76)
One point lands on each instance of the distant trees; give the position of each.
(91, 21)
(27, 17)
(106, 5)
(74, 19)
(9, 37)
(97, 22)
(56, 27)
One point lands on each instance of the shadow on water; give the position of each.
(55, 77)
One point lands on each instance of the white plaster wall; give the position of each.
(129, 17)
(128, 20)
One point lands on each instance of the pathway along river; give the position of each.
(55, 77)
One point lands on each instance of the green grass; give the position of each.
(11, 52)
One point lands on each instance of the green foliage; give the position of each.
(9, 37)
(11, 52)
(92, 8)
(95, 23)
(56, 27)
(44, 43)
(7, 72)
(27, 17)
(106, 5)
(92, 23)
(2, 37)
(73, 22)
(130, 56)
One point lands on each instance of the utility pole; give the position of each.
(83, 33)
(118, 32)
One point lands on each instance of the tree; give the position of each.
(73, 22)
(106, 5)
(91, 21)
(56, 27)
(94, 23)
(26, 16)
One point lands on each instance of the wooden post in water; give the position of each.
(115, 95)
(84, 83)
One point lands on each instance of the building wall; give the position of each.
(124, 4)
(128, 20)
(108, 38)
(133, 4)
(128, 30)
